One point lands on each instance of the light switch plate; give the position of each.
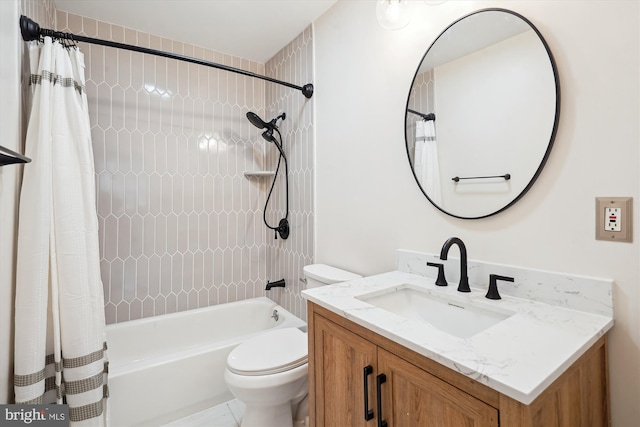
(614, 219)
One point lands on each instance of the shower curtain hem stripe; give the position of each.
(86, 412)
(85, 384)
(28, 379)
(56, 79)
(80, 361)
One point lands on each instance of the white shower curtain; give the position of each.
(60, 341)
(426, 164)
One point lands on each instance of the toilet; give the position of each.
(268, 372)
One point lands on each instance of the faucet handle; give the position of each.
(441, 280)
(492, 293)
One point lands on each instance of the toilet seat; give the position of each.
(270, 352)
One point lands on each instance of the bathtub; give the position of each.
(167, 367)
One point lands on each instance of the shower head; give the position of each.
(283, 227)
(256, 121)
(261, 124)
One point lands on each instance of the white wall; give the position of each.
(367, 201)
(9, 181)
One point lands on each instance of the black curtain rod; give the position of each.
(31, 31)
(9, 157)
(425, 117)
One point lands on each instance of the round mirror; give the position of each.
(482, 113)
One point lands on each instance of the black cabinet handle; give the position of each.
(368, 413)
(380, 379)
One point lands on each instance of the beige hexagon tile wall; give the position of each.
(180, 225)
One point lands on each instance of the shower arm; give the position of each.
(30, 30)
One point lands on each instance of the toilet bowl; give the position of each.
(269, 372)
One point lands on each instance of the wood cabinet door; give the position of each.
(340, 358)
(412, 397)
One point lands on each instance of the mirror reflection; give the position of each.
(482, 113)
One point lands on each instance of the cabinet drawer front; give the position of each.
(412, 397)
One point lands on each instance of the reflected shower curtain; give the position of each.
(426, 164)
(60, 346)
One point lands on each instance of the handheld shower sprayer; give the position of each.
(269, 126)
(261, 124)
(283, 226)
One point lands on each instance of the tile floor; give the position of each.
(227, 414)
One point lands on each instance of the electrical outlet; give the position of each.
(613, 219)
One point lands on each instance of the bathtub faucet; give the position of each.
(276, 284)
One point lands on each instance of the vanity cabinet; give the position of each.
(349, 363)
(412, 397)
(339, 364)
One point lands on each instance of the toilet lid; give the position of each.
(327, 274)
(271, 352)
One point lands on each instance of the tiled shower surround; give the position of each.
(286, 258)
(180, 225)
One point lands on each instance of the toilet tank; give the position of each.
(322, 274)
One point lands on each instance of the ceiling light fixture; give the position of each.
(393, 14)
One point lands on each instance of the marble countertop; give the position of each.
(519, 357)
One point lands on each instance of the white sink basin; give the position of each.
(453, 316)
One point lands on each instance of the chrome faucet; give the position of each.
(463, 286)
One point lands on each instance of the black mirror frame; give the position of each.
(555, 122)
